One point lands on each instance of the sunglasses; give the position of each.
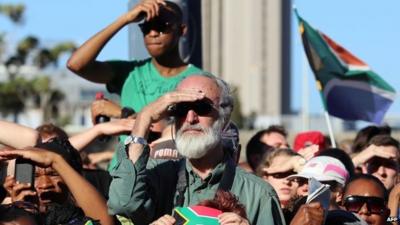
(354, 203)
(156, 25)
(201, 108)
(301, 181)
(281, 175)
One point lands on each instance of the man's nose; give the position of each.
(381, 171)
(192, 117)
(364, 210)
(153, 33)
(43, 182)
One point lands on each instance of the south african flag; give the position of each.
(196, 215)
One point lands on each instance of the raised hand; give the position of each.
(104, 107)
(309, 214)
(164, 220)
(146, 9)
(230, 218)
(18, 191)
(374, 151)
(295, 163)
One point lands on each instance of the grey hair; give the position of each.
(226, 98)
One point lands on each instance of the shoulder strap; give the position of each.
(182, 183)
(228, 176)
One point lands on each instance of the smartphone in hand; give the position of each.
(24, 171)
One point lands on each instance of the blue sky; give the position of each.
(368, 29)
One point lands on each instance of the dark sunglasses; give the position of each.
(281, 175)
(156, 25)
(201, 108)
(354, 203)
(301, 181)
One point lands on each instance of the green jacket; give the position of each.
(146, 190)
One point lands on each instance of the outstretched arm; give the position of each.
(87, 197)
(81, 140)
(17, 136)
(83, 61)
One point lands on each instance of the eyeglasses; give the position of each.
(156, 25)
(201, 108)
(281, 175)
(376, 162)
(354, 203)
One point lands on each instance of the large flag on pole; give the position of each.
(349, 88)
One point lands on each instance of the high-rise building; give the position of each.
(248, 44)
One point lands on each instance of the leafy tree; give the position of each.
(14, 12)
(17, 91)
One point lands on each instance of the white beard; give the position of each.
(195, 146)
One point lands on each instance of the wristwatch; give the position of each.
(134, 139)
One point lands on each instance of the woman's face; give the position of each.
(285, 189)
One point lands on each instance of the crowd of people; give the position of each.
(177, 157)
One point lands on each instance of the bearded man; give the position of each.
(145, 189)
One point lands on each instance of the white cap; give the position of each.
(324, 168)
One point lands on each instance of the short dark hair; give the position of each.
(256, 147)
(174, 8)
(226, 202)
(384, 140)
(367, 177)
(50, 129)
(364, 135)
(276, 129)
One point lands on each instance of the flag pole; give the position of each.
(305, 116)
(328, 123)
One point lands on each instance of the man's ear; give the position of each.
(397, 180)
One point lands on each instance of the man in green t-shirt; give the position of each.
(138, 82)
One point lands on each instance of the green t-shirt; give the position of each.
(139, 82)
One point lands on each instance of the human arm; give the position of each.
(98, 157)
(81, 140)
(230, 218)
(309, 151)
(309, 214)
(85, 195)
(17, 191)
(105, 107)
(370, 152)
(17, 136)
(295, 163)
(83, 61)
(164, 220)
